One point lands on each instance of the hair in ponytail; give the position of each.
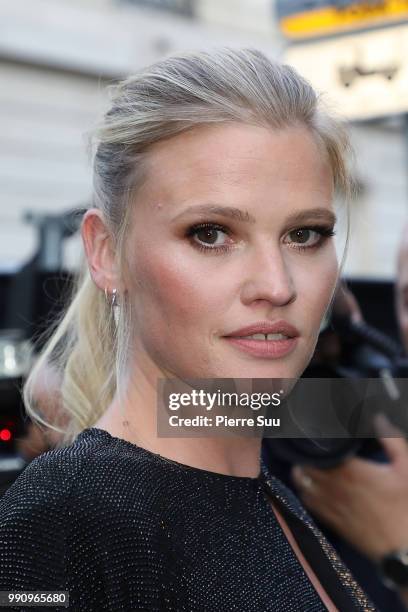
(87, 348)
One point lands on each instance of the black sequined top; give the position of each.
(122, 528)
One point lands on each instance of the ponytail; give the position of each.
(81, 351)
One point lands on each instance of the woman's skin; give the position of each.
(186, 299)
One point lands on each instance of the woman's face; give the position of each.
(226, 233)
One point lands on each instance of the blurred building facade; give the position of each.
(56, 59)
(58, 56)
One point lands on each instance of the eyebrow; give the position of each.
(222, 211)
(300, 216)
(323, 214)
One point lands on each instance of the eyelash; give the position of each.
(324, 231)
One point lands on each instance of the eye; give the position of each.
(310, 237)
(209, 236)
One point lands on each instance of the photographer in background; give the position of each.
(365, 502)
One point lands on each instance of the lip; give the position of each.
(270, 349)
(266, 327)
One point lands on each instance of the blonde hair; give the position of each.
(169, 97)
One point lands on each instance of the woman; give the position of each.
(212, 222)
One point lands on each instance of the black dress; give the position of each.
(122, 528)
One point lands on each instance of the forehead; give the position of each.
(239, 164)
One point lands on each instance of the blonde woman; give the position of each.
(212, 223)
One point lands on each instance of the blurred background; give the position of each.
(57, 58)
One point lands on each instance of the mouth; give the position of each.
(265, 340)
(263, 337)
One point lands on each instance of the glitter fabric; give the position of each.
(122, 528)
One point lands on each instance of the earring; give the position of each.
(114, 297)
(114, 304)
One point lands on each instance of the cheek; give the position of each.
(316, 288)
(174, 294)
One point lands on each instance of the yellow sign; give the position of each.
(335, 17)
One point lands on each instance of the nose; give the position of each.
(267, 278)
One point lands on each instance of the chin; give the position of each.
(262, 370)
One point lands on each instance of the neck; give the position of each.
(133, 417)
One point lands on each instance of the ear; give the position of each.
(99, 250)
